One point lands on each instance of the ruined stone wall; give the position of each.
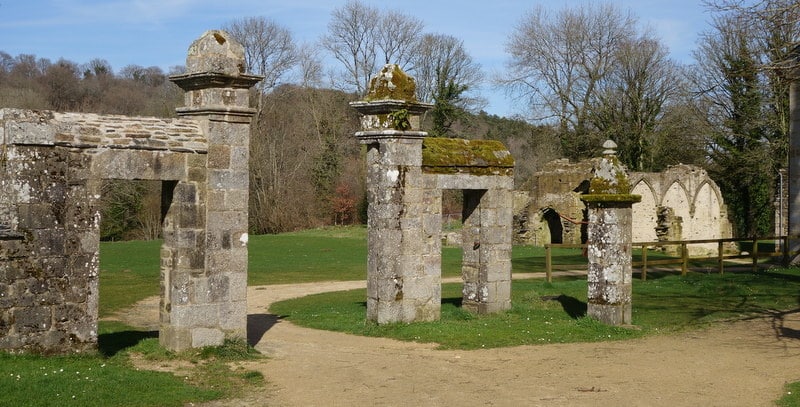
(696, 208)
(557, 187)
(51, 165)
(48, 261)
(688, 200)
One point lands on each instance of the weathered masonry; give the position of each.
(609, 202)
(406, 173)
(680, 203)
(52, 164)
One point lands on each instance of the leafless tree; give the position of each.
(557, 61)
(398, 34)
(268, 46)
(351, 39)
(448, 76)
(593, 72)
(309, 66)
(361, 36)
(439, 59)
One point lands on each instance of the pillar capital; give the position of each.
(215, 81)
(391, 110)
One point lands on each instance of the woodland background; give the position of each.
(583, 74)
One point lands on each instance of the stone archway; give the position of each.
(52, 164)
(406, 173)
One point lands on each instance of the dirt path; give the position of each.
(738, 364)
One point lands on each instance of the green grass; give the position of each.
(555, 312)
(90, 381)
(542, 313)
(129, 271)
(791, 397)
(108, 378)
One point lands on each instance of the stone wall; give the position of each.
(51, 166)
(680, 203)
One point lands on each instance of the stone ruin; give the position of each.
(406, 173)
(680, 203)
(52, 165)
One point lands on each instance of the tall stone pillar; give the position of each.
(794, 155)
(204, 257)
(400, 288)
(486, 244)
(610, 214)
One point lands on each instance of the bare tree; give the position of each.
(557, 62)
(732, 92)
(446, 74)
(397, 36)
(309, 66)
(269, 48)
(351, 39)
(630, 100)
(361, 36)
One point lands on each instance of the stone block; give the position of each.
(240, 158)
(617, 315)
(32, 319)
(194, 315)
(233, 317)
(219, 156)
(206, 337)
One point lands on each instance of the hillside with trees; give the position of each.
(584, 74)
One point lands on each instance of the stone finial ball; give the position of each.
(216, 51)
(391, 83)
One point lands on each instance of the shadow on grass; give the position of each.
(454, 301)
(574, 307)
(112, 343)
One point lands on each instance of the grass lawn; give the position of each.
(555, 312)
(542, 313)
(108, 378)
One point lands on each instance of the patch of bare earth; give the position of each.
(744, 363)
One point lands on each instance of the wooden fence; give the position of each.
(782, 246)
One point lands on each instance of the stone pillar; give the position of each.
(794, 160)
(486, 239)
(610, 213)
(204, 257)
(402, 286)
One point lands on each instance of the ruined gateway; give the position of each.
(51, 167)
(680, 203)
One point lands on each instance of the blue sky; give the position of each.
(158, 32)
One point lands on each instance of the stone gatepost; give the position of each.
(400, 288)
(794, 153)
(610, 213)
(486, 244)
(204, 257)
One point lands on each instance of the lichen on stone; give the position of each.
(391, 83)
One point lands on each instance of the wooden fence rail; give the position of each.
(784, 253)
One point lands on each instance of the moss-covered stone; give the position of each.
(478, 157)
(391, 83)
(611, 199)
